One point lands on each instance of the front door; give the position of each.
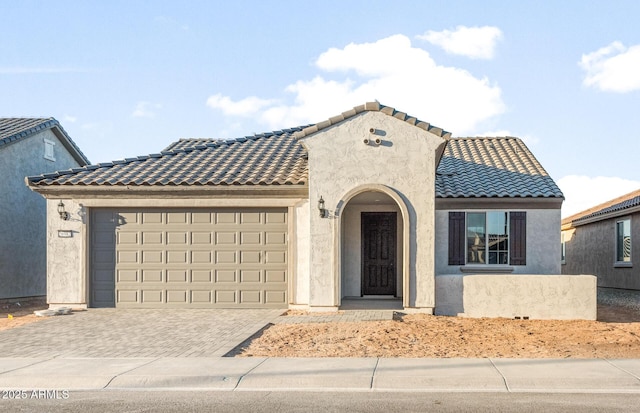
(378, 253)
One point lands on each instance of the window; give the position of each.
(623, 240)
(488, 238)
(48, 150)
(492, 237)
(563, 249)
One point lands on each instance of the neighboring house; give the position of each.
(28, 146)
(605, 240)
(371, 202)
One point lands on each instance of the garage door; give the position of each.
(189, 258)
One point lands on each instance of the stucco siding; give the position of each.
(591, 248)
(340, 161)
(301, 234)
(23, 214)
(543, 242)
(66, 255)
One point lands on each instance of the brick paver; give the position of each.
(347, 316)
(136, 333)
(113, 332)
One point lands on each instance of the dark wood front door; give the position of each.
(378, 253)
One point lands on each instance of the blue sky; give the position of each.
(126, 78)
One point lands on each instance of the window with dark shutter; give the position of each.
(456, 238)
(518, 238)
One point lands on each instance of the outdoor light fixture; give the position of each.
(321, 207)
(64, 215)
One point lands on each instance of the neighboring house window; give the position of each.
(563, 249)
(493, 238)
(623, 240)
(48, 150)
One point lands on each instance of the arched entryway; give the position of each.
(372, 245)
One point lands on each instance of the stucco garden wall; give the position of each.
(543, 241)
(22, 213)
(339, 162)
(591, 248)
(558, 297)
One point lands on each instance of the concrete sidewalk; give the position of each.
(321, 374)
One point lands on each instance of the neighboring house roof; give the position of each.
(15, 129)
(618, 206)
(469, 167)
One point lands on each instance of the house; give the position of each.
(28, 146)
(602, 240)
(369, 203)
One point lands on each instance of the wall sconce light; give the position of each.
(321, 208)
(64, 215)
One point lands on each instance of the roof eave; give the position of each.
(602, 217)
(69, 145)
(49, 191)
(539, 202)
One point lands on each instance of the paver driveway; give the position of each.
(136, 333)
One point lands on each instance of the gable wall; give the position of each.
(339, 162)
(23, 214)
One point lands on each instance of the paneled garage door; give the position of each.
(189, 258)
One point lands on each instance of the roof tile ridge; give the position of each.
(372, 107)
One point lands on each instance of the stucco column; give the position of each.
(66, 249)
(322, 285)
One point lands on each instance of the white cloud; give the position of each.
(247, 107)
(69, 119)
(614, 68)
(583, 192)
(145, 110)
(472, 42)
(390, 71)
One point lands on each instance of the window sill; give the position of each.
(487, 269)
(622, 264)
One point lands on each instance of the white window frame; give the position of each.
(617, 262)
(49, 150)
(563, 248)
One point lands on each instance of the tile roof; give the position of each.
(274, 158)
(469, 167)
(621, 203)
(14, 129)
(492, 167)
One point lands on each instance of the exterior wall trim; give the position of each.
(337, 238)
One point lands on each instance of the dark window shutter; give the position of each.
(518, 238)
(456, 238)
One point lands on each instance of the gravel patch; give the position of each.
(623, 298)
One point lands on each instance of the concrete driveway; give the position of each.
(136, 333)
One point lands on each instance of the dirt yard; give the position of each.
(18, 313)
(615, 335)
